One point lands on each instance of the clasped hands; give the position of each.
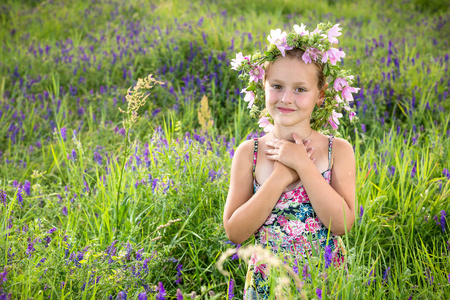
(289, 156)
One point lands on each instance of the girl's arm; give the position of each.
(335, 203)
(244, 212)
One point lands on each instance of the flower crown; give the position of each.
(317, 46)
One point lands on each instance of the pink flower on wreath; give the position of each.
(351, 115)
(278, 38)
(334, 55)
(301, 30)
(339, 100)
(340, 83)
(249, 97)
(264, 122)
(347, 92)
(334, 119)
(236, 62)
(257, 73)
(333, 33)
(310, 53)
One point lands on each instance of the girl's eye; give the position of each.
(300, 90)
(276, 87)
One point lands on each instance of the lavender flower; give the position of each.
(26, 187)
(319, 293)
(231, 289)
(161, 292)
(122, 295)
(142, 296)
(386, 273)
(64, 210)
(180, 295)
(443, 214)
(63, 133)
(52, 230)
(305, 271)
(20, 196)
(30, 248)
(361, 213)
(73, 155)
(5, 272)
(3, 197)
(179, 274)
(63, 284)
(328, 256)
(370, 277)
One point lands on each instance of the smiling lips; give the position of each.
(285, 110)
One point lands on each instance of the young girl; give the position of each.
(295, 184)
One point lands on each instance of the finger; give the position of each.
(272, 157)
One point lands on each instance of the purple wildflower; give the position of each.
(370, 277)
(139, 254)
(20, 196)
(142, 296)
(26, 187)
(3, 276)
(161, 292)
(446, 173)
(319, 293)
(231, 289)
(180, 295)
(179, 274)
(443, 214)
(328, 256)
(392, 170)
(361, 213)
(63, 284)
(386, 273)
(51, 230)
(448, 277)
(73, 155)
(30, 248)
(63, 133)
(305, 271)
(3, 197)
(236, 255)
(64, 210)
(122, 295)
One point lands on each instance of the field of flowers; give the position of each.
(99, 203)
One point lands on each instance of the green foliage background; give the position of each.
(397, 50)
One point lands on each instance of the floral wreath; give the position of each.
(317, 46)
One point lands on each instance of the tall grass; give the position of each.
(65, 70)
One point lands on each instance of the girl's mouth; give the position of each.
(285, 110)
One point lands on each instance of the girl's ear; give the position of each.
(321, 96)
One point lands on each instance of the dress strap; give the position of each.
(255, 155)
(330, 146)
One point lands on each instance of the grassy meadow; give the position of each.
(96, 203)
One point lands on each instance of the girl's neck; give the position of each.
(286, 133)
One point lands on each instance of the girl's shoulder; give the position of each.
(342, 151)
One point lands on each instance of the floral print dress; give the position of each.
(293, 229)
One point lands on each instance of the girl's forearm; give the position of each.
(250, 216)
(330, 207)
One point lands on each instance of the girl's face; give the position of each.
(291, 91)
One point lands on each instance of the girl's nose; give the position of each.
(287, 97)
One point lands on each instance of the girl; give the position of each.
(295, 184)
